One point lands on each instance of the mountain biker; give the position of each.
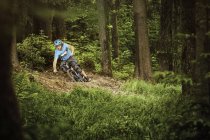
(65, 52)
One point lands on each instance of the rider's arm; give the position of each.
(71, 48)
(55, 64)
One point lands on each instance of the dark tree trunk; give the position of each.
(207, 44)
(47, 24)
(10, 124)
(104, 37)
(23, 17)
(43, 22)
(176, 28)
(43, 26)
(59, 27)
(143, 61)
(201, 89)
(188, 47)
(165, 57)
(115, 38)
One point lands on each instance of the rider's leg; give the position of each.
(79, 70)
(62, 63)
(75, 66)
(62, 66)
(83, 73)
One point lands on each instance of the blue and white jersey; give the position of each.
(58, 53)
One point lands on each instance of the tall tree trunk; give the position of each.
(60, 27)
(43, 22)
(202, 47)
(10, 124)
(143, 61)
(176, 47)
(104, 37)
(23, 17)
(15, 61)
(208, 43)
(188, 47)
(115, 38)
(165, 57)
(47, 24)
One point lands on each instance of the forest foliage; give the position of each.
(174, 105)
(82, 32)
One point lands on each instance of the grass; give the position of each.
(145, 112)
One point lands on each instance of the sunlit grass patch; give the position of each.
(142, 87)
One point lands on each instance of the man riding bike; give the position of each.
(65, 52)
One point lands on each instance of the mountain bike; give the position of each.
(72, 73)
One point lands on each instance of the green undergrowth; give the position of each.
(143, 111)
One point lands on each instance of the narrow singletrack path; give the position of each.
(61, 83)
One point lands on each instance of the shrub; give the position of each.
(36, 51)
(122, 67)
(171, 78)
(89, 56)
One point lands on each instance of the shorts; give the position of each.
(73, 63)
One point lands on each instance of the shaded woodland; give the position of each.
(159, 50)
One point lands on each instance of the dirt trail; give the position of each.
(60, 82)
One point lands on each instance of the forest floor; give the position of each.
(60, 82)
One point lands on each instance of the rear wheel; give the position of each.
(71, 75)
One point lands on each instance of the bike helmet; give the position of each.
(58, 42)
